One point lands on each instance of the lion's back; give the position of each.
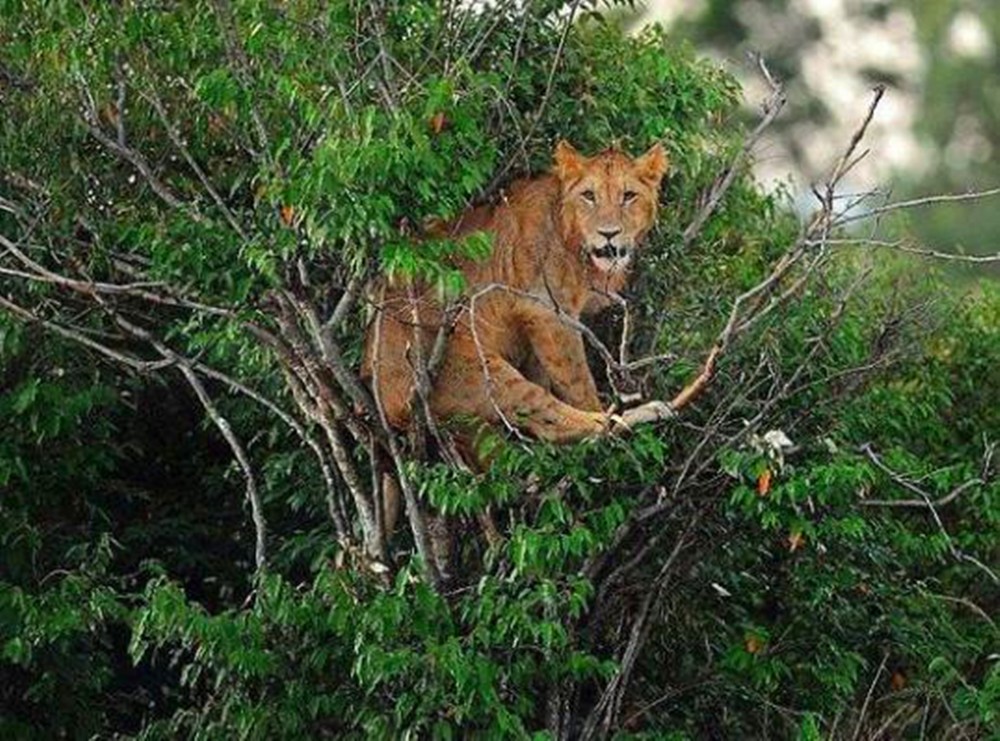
(522, 224)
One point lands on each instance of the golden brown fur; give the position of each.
(562, 243)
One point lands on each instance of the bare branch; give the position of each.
(606, 711)
(845, 163)
(543, 103)
(919, 202)
(868, 696)
(239, 452)
(932, 507)
(900, 246)
(346, 302)
(772, 107)
(334, 507)
(42, 274)
(817, 231)
(77, 336)
(924, 503)
(253, 495)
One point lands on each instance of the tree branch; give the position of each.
(772, 107)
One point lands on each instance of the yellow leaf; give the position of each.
(438, 122)
(764, 482)
(754, 644)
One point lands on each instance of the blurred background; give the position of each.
(936, 130)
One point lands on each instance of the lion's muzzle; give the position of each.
(610, 257)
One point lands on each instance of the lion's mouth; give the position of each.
(607, 258)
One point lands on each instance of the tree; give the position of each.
(194, 197)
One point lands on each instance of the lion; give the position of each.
(564, 244)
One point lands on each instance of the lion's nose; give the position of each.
(609, 234)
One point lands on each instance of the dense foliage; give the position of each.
(809, 550)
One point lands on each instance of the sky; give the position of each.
(833, 64)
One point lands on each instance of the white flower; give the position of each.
(777, 440)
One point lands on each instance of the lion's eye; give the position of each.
(629, 196)
(589, 196)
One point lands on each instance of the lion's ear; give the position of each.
(653, 165)
(568, 161)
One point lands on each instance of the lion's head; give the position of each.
(608, 204)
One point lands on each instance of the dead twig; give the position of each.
(772, 107)
(608, 707)
(919, 202)
(931, 506)
(868, 697)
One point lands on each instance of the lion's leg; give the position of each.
(534, 371)
(437, 525)
(528, 406)
(559, 351)
(391, 498)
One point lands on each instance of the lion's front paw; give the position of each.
(651, 411)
